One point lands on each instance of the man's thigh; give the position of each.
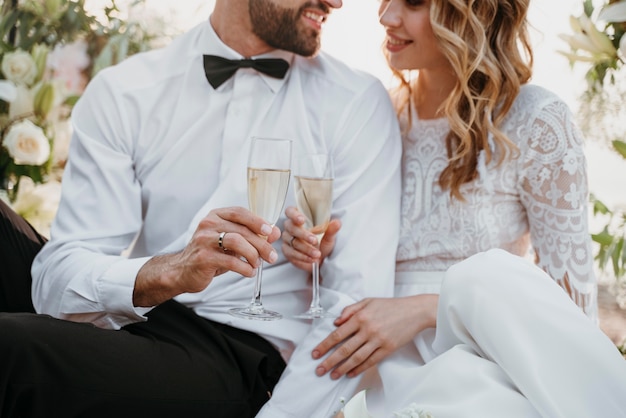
(175, 364)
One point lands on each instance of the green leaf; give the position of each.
(598, 206)
(71, 100)
(601, 258)
(603, 238)
(616, 255)
(620, 147)
(622, 271)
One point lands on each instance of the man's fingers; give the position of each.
(241, 216)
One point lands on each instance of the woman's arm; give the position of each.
(553, 189)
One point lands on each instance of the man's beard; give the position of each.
(281, 28)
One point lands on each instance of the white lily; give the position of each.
(579, 41)
(615, 12)
(585, 49)
(598, 39)
(575, 24)
(8, 92)
(577, 57)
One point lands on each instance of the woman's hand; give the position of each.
(300, 245)
(372, 329)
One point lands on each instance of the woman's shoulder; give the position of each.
(535, 104)
(533, 97)
(541, 122)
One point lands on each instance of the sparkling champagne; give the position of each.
(314, 199)
(266, 192)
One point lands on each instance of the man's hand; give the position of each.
(247, 240)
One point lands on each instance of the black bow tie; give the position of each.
(218, 69)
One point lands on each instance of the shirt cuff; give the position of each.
(116, 287)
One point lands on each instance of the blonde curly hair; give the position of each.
(488, 46)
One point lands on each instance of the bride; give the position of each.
(493, 168)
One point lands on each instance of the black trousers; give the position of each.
(176, 364)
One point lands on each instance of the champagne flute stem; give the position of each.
(256, 304)
(315, 300)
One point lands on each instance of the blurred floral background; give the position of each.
(49, 50)
(597, 43)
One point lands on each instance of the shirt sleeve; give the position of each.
(554, 191)
(80, 274)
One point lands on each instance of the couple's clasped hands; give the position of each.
(367, 331)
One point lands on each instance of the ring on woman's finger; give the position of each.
(220, 241)
(291, 241)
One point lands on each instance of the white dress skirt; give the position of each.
(509, 343)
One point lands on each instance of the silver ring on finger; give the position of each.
(220, 241)
(291, 241)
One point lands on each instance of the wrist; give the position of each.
(425, 309)
(156, 281)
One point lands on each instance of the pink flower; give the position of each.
(67, 64)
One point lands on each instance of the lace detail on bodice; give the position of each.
(539, 198)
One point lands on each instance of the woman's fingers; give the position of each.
(376, 357)
(346, 348)
(297, 258)
(299, 245)
(327, 244)
(295, 216)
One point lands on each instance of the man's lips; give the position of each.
(317, 18)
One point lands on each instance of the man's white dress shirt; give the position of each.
(155, 148)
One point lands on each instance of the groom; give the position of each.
(157, 170)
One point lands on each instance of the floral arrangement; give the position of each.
(357, 408)
(598, 41)
(49, 50)
(603, 48)
(412, 411)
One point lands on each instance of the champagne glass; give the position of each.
(269, 168)
(314, 195)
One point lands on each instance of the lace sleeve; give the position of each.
(554, 191)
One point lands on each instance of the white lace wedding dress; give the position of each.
(495, 352)
(539, 198)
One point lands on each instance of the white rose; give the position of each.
(38, 204)
(27, 144)
(19, 67)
